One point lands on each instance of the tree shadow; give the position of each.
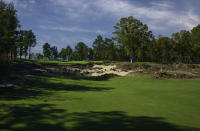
(18, 93)
(45, 117)
(104, 77)
(26, 68)
(36, 87)
(44, 84)
(31, 118)
(119, 121)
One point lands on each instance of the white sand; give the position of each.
(99, 70)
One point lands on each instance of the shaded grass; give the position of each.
(121, 103)
(45, 117)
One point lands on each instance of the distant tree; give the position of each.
(196, 35)
(8, 25)
(195, 40)
(163, 49)
(82, 51)
(132, 34)
(54, 52)
(47, 50)
(32, 56)
(98, 47)
(90, 53)
(39, 56)
(20, 42)
(182, 45)
(75, 55)
(121, 53)
(62, 53)
(29, 40)
(68, 52)
(109, 49)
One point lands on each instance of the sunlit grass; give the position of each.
(66, 62)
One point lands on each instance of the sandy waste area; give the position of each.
(99, 70)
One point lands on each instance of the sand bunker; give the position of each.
(99, 70)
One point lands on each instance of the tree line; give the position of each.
(103, 49)
(135, 42)
(14, 43)
(132, 41)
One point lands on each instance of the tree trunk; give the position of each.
(131, 56)
(25, 56)
(11, 55)
(131, 60)
(20, 53)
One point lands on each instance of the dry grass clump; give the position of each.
(174, 75)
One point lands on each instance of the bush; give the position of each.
(163, 74)
(174, 75)
(193, 66)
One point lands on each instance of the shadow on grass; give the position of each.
(26, 68)
(45, 117)
(23, 68)
(104, 77)
(35, 87)
(30, 118)
(119, 121)
(44, 84)
(17, 93)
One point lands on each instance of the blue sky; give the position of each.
(66, 22)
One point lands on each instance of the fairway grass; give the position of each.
(120, 103)
(66, 62)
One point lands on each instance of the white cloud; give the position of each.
(21, 4)
(73, 8)
(32, 1)
(162, 13)
(158, 12)
(8, 1)
(71, 29)
(162, 4)
(155, 13)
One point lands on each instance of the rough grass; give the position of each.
(121, 103)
